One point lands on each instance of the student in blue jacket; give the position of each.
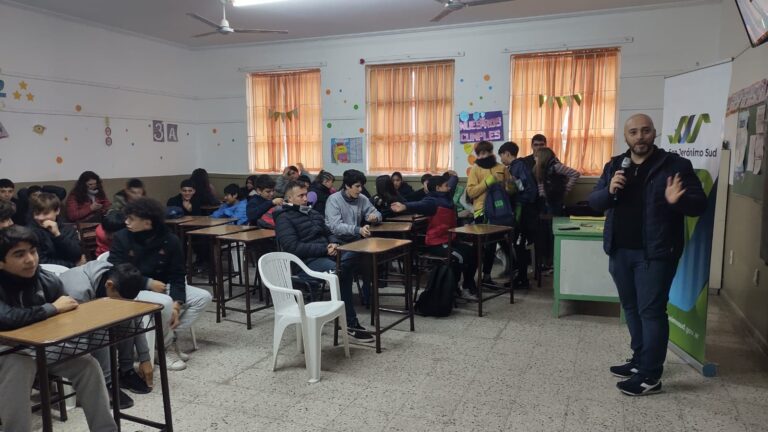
(234, 205)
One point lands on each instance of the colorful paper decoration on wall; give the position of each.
(108, 133)
(158, 131)
(2, 86)
(347, 150)
(481, 126)
(38, 129)
(560, 100)
(282, 115)
(23, 90)
(3, 132)
(172, 132)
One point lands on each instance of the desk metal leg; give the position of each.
(479, 245)
(408, 286)
(114, 370)
(160, 345)
(512, 261)
(375, 309)
(244, 272)
(189, 260)
(45, 390)
(218, 288)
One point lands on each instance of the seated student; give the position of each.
(438, 205)
(98, 279)
(263, 203)
(134, 189)
(250, 186)
(28, 295)
(323, 188)
(7, 211)
(22, 204)
(290, 173)
(233, 206)
(385, 196)
(403, 189)
(58, 244)
(87, 201)
(204, 190)
(112, 223)
(301, 231)
(156, 252)
(7, 189)
(421, 193)
(187, 199)
(347, 213)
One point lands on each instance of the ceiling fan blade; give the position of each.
(259, 31)
(442, 15)
(203, 20)
(485, 2)
(205, 34)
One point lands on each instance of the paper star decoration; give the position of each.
(30, 97)
(23, 85)
(17, 95)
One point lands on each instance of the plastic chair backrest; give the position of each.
(54, 268)
(103, 257)
(275, 272)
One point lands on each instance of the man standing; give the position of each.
(645, 199)
(538, 141)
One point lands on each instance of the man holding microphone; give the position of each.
(645, 193)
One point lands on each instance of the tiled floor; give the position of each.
(516, 369)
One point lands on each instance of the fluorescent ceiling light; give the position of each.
(242, 3)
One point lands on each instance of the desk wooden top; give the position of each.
(88, 317)
(373, 245)
(406, 218)
(250, 236)
(218, 230)
(206, 221)
(480, 229)
(392, 227)
(180, 220)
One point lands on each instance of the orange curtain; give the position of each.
(284, 120)
(585, 128)
(409, 117)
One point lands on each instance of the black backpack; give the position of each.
(437, 297)
(498, 208)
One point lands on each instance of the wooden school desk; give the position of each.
(248, 238)
(173, 224)
(480, 235)
(197, 222)
(71, 334)
(382, 251)
(392, 229)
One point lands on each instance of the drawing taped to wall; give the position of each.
(347, 150)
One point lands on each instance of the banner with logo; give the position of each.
(694, 115)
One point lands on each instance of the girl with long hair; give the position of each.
(87, 201)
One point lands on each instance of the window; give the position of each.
(284, 120)
(409, 117)
(570, 97)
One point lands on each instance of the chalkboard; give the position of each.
(749, 184)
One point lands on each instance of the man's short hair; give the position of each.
(113, 222)
(13, 235)
(264, 181)
(44, 202)
(484, 146)
(509, 147)
(127, 280)
(324, 176)
(134, 183)
(293, 184)
(34, 189)
(353, 176)
(539, 137)
(7, 210)
(425, 177)
(7, 183)
(232, 189)
(435, 181)
(186, 183)
(147, 208)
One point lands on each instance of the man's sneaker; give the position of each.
(124, 401)
(626, 370)
(132, 381)
(173, 362)
(359, 333)
(639, 386)
(468, 295)
(182, 355)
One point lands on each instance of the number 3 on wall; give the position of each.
(2, 85)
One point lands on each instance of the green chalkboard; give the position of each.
(749, 184)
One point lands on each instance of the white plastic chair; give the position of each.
(275, 272)
(103, 257)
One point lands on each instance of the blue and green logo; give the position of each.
(688, 129)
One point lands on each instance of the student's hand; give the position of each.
(674, 189)
(51, 226)
(617, 182)
(175, 313)
(277, 201)
(187, 205)
(365, 231)
(145, 372)
(332, 249)
(65, 304)
(397, 207)
(157, 286)
(82, 261)
(372, 218)
(96, 206)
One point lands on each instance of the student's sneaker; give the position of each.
(124, 401)
(131, 381)
(359, 333)
(182, 355)
(468, 295)
(639, 386)
(173, 362)
(626, 370)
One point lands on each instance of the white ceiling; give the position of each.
(167, 19)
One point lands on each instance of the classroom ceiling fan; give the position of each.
(223, 28)
(454, 5)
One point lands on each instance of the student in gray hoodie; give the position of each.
(347, 213)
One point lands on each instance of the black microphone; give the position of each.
(626, 163)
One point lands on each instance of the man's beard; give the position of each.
(647, 149)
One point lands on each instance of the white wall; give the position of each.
(67, 64)
(666, 41)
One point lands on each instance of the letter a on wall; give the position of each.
(172, 132)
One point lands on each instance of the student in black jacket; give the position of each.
(7, 210)
(58, 244)
(28, 295)
(262, 201)
(323, 188)
(187, 199)
(421, 193)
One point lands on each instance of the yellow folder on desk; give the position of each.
(587, 218)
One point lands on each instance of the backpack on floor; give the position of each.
(498, 208)
(437, 298)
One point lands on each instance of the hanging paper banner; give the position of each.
(282, 115)
(560, 100)
(481, 126)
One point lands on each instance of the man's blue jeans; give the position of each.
(349, 260)
(643, 287)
